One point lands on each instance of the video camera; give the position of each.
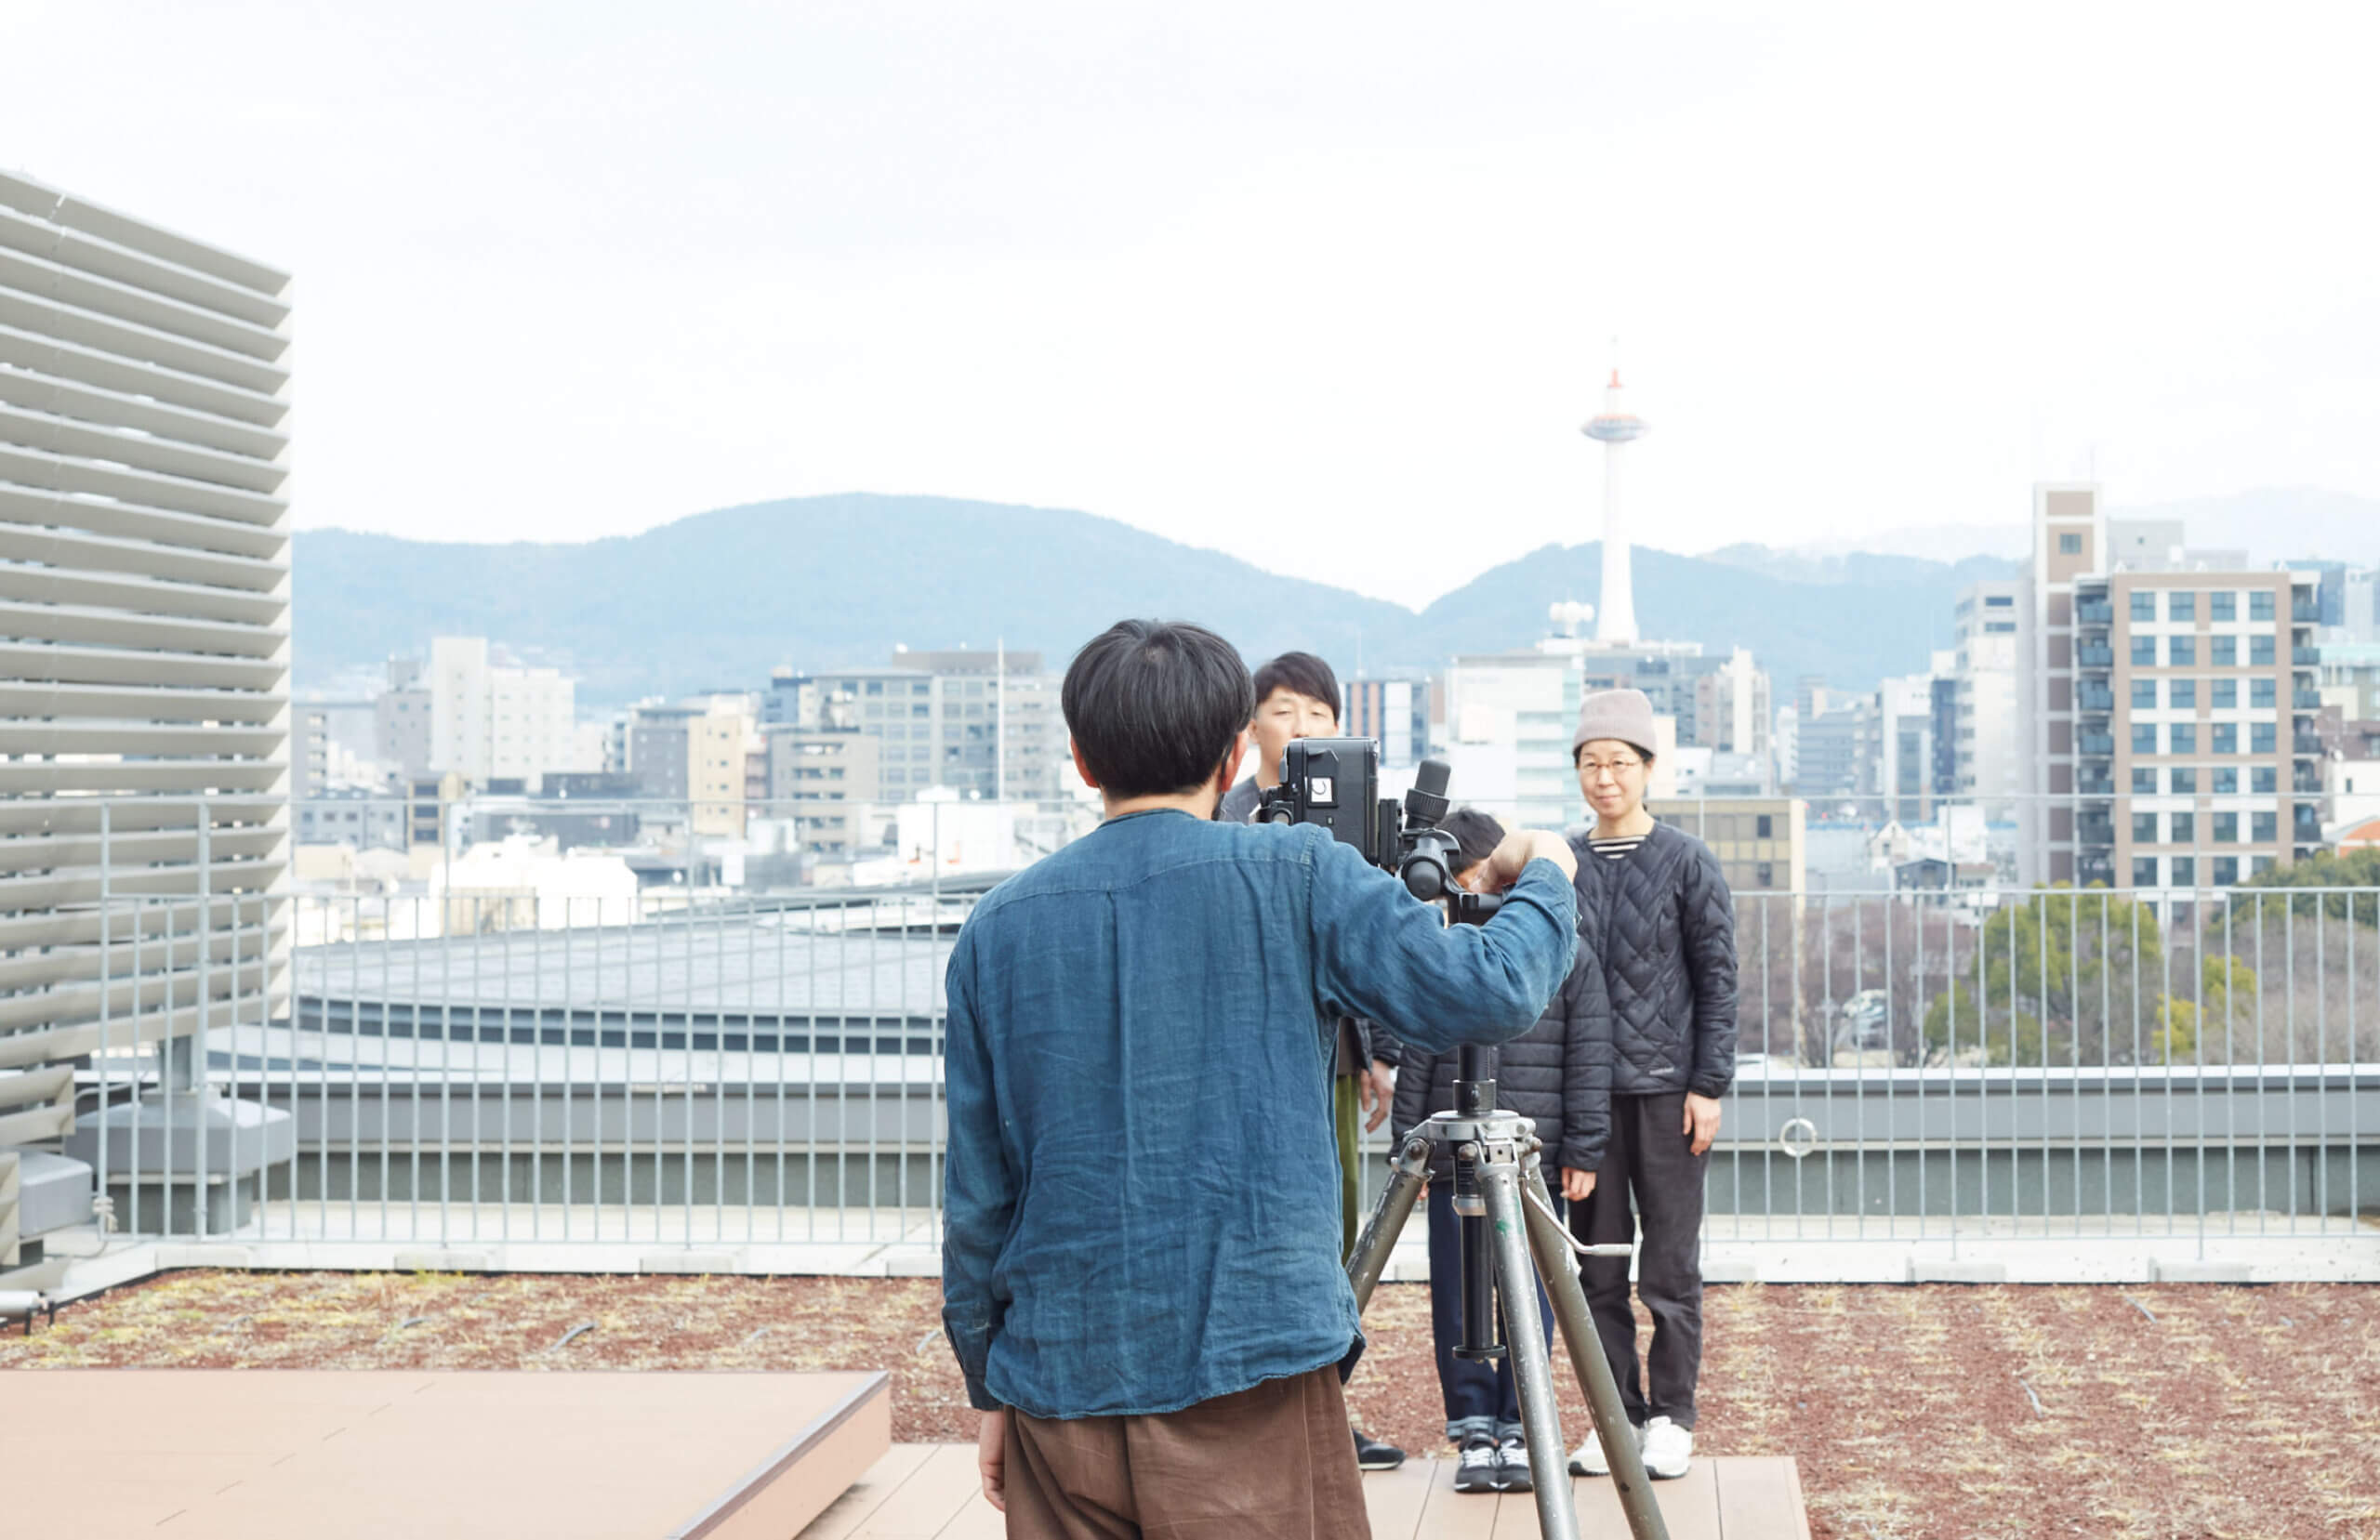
(1335, 783)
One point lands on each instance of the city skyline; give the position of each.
(884, 270)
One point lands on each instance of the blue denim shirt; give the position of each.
(1141, 1202)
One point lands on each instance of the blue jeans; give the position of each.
(1480, 1396)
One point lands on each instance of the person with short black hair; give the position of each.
(1141, 1274)
(1655, 912)
(1559, 1075)
(1297, 696)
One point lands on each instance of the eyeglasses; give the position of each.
(1611, 767)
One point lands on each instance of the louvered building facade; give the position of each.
(144, 657)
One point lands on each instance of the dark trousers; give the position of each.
(1480, 1396)
(1269, 1463)
(1651, 1178)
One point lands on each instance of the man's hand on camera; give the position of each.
(1376, 1091)
(991, 1457)
(1577, 1186)
(1522, 846)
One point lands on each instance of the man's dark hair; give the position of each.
(1155, 705)
(1475, 835)
(1304, 673)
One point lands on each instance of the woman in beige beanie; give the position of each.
(1655, 912)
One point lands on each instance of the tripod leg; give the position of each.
(1387, 1221)
(1549, 1472)
(1577, 1329)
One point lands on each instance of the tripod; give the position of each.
(1499, 1196)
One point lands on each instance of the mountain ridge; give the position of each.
(715, 599)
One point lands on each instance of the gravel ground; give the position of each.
(1939, 1411)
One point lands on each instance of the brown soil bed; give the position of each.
(1939, 1411)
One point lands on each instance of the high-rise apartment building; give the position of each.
(2167, 697)
(1731, 706)
(823, 780)
(144, 682)
(1986, 741)
(696, 752)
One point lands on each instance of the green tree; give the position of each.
(2059, 976)
(2357, 869)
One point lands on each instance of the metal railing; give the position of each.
(678, 1069)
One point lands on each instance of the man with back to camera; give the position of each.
(1297, 696)
(1140, 1270)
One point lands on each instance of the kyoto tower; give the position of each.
(1614, 428)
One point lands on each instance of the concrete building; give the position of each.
(2349, 678)
(1986, 743)
(1395, 711)
(985, 724)
(1731, 706)
(1838, 756)
(1508, 716)
(2167, 699)
(694, 752)
(1760, 841)
(492, 722)
(1916, 716)
(144, 697)
(822, 779)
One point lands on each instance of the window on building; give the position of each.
(2144, 781)
(2144, 870)
(2222, 606)
(2227, 783)
(2143, 828)
(874, 687)
(2182, 738)
(2223, 694)
(2264, 828)
(2185, 783)
(1765, 873)
(2185, 872)
(2144, 737)
(2223, 652)
(2260, 737)
(2144, 651)
(2224, 738)
(2185, 828)
(2261, 691)
(2069, 544)
(1764, 826)
(2181, 607)
(2226, 828)
(2259, 866)
(2261, 778)
(2144, 604)
(2260, 651)
(2144, 694)
(2260, 605)
(2227, 871)
(1999, 628)
(2182, 695)
(2182, 651)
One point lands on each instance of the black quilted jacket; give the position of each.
(1557, 1074)
(1663, 925)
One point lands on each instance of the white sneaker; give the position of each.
(1669, 1449)
(1588, 1459)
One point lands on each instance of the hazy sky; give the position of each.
(1327, 286)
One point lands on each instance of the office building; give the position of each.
(1759, 840)
(1395, 711)
(825, 781)
(982, 724)
(694, 752)
(491, 723)
(2167, 697)
(144, 676)
(1731, 706)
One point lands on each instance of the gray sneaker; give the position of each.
(1588, 1459)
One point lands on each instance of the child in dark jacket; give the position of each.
(1558, 1074)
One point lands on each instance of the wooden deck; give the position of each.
(394, 1455)
(930, 1490)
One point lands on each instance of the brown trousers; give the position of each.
(1273, 1462)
